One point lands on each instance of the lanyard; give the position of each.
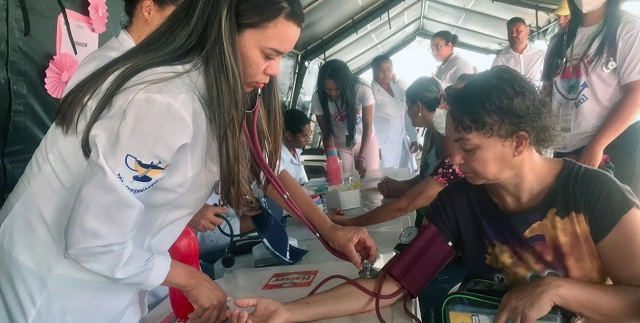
(586, 50)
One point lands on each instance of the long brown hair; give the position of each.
(202, 34)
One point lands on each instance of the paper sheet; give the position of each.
(85, 39)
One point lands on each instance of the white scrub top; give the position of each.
(393, 125)
(293, 165)
(449, 71)
(83, 239)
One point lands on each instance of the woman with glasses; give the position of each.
(453, 65)
(297, 135)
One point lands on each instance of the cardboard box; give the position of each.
(343, 200)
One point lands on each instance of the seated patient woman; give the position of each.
(425, 110)
(558, 232)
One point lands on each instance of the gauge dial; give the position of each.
(408, 234)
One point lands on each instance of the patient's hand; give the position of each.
(339, 219)
(266, 310)
(390, 187)
(206, 220)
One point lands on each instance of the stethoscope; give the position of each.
(608, 66)
(258, 156)
(256, 152)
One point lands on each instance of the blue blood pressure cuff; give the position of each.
(272, 232)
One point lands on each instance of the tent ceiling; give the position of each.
(355, 31)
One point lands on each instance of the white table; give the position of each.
(243, 280)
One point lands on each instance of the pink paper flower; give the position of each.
(59, 72)
(98, 14)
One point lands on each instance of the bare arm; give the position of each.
(418, 196)
(367, 126)
(619, 253)
(622, 115)
(318, 306)
(327, 139)
(351, 300)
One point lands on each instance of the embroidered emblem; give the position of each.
(143, 175)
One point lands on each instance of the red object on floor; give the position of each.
(186, 251)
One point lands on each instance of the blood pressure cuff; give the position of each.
(273, 234)
(425, 256)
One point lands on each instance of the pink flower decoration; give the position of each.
(98, 14)
(59, 72)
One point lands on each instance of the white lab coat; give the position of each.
(84, 239)
(393, 126)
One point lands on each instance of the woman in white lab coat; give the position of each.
(390, 118)
(134, 153)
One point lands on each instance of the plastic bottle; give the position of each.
(186, 251)
(334, 168)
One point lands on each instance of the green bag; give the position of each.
(477, 301)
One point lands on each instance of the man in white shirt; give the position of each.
(520, 55)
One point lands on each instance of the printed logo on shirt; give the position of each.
(571, 83)
(548, 252)
(341, 117)
(142, 175)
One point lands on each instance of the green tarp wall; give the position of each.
(26, 109)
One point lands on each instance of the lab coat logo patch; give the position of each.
(143, 176)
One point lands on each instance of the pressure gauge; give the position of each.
(408, 234)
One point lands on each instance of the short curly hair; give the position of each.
(501, 102)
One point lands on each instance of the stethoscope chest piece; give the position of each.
(367, 272)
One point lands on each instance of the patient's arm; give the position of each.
(418, 196)
(318, 306)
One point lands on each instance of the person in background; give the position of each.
(343, 105)
(521, 55)
(131, 158)
(297, 135)
(548, 72)
(557, 232)
(424, 102)
(392, 188)
(397, 138)
(564, 15)
(596, 88)
(453, 65)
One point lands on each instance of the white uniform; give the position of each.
(529, 63)
(84, 239)
(584, 95)
(448, 72)
(293, 165)
(393, 126)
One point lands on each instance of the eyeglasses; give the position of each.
(305, 135)
(436, 47)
